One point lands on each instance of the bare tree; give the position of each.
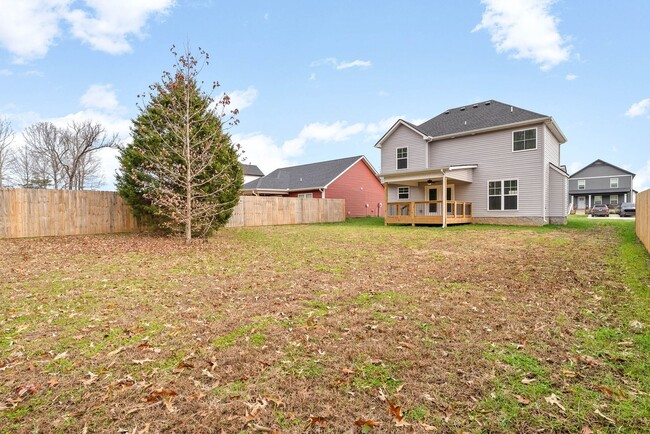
(44, 142)
(6, 137)
(80, 140)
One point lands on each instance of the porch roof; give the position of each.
(459, 172)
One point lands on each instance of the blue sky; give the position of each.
(318, 80)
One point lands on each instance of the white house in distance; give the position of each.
(486, 162)
(251, 172)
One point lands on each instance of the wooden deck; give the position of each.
(428, 212)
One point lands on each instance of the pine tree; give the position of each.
(181, 172)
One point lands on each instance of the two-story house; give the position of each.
(487, 162)
(600, 183)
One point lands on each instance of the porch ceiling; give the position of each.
(462, 174)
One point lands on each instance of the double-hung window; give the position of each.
(524, 140)
(581, 184)
(403, 192)
(613, 182)
(503, 195)
(305, 195)
(402, 158)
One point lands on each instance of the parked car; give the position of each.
(600, 210)
(627, 209)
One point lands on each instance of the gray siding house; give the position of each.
(600, 183)
(487, 162)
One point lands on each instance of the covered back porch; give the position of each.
(429, 197)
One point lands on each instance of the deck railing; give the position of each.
(428, 212)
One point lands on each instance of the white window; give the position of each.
(524, 140)
(403, 192)
(306, 195)
(402, 158)
(503, 195)
(613, 182)
(581, 184)
(598, 200)
(613, 199)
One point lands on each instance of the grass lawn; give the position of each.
(351, 327)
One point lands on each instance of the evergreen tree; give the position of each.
(181, 172)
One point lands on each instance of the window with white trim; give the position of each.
(305, 195)
(581, 184)
(524, 140)
(613, 199)
(403, 192)
(598, 200)
(613, 182)
(402, 158)
(503, 195)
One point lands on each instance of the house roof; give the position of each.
(486, 115)
(252, 170)
(305, 177)
(599, 162)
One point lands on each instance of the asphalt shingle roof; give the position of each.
(252, 170)
(306, 176)
(476, 116)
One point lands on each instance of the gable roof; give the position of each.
(307, 176)
(252, 170)
(477, 117)
(601, 162)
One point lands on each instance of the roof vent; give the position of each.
(487, 103)
(512, 109)
(465, 122)
(475, 105)
(462, 109)
(447, 112)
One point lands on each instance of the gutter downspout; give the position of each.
(444, 198)
(322, 193)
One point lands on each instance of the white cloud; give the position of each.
(262, 151)
(28, 28)
(240, 99)
(340, 65)
(106, 24)
(100, 96)
(638, 108)
(526, 29)
(338, 131)
(642, 178)
(354, 64)
(571, 77)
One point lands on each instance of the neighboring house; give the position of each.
(353, 179)
(600, 183)
(487, 162)
(251, 172)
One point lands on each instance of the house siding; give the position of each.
(403, 137)
(557, 197)
(359, 187)
(496, 161)
(601, 184)
(553, 203)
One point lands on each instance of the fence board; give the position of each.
(41, 213)
(264, 211)
(643, 217)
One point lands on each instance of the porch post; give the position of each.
(444, 200)
(385, 202)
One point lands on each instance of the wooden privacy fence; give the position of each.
(39, 213)
(643, 217)
(262, 211)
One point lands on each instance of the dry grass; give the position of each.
(324, 328)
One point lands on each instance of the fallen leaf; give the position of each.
(591, 361)
(366, 422)
(182, 366)
(568, 373)
(395, 411)
(428, 427)
(347, 371)
(608, 419)
(90, 380)
(53, 382)
(528, 380)
(522, 400)
(160, 394)
(116, 352)
(207, 373)
(63, 355)
(318, 421)
(29, 389)
(141, 362)
(554, 400)
(586, 430)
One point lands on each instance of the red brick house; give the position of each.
(353, 179)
